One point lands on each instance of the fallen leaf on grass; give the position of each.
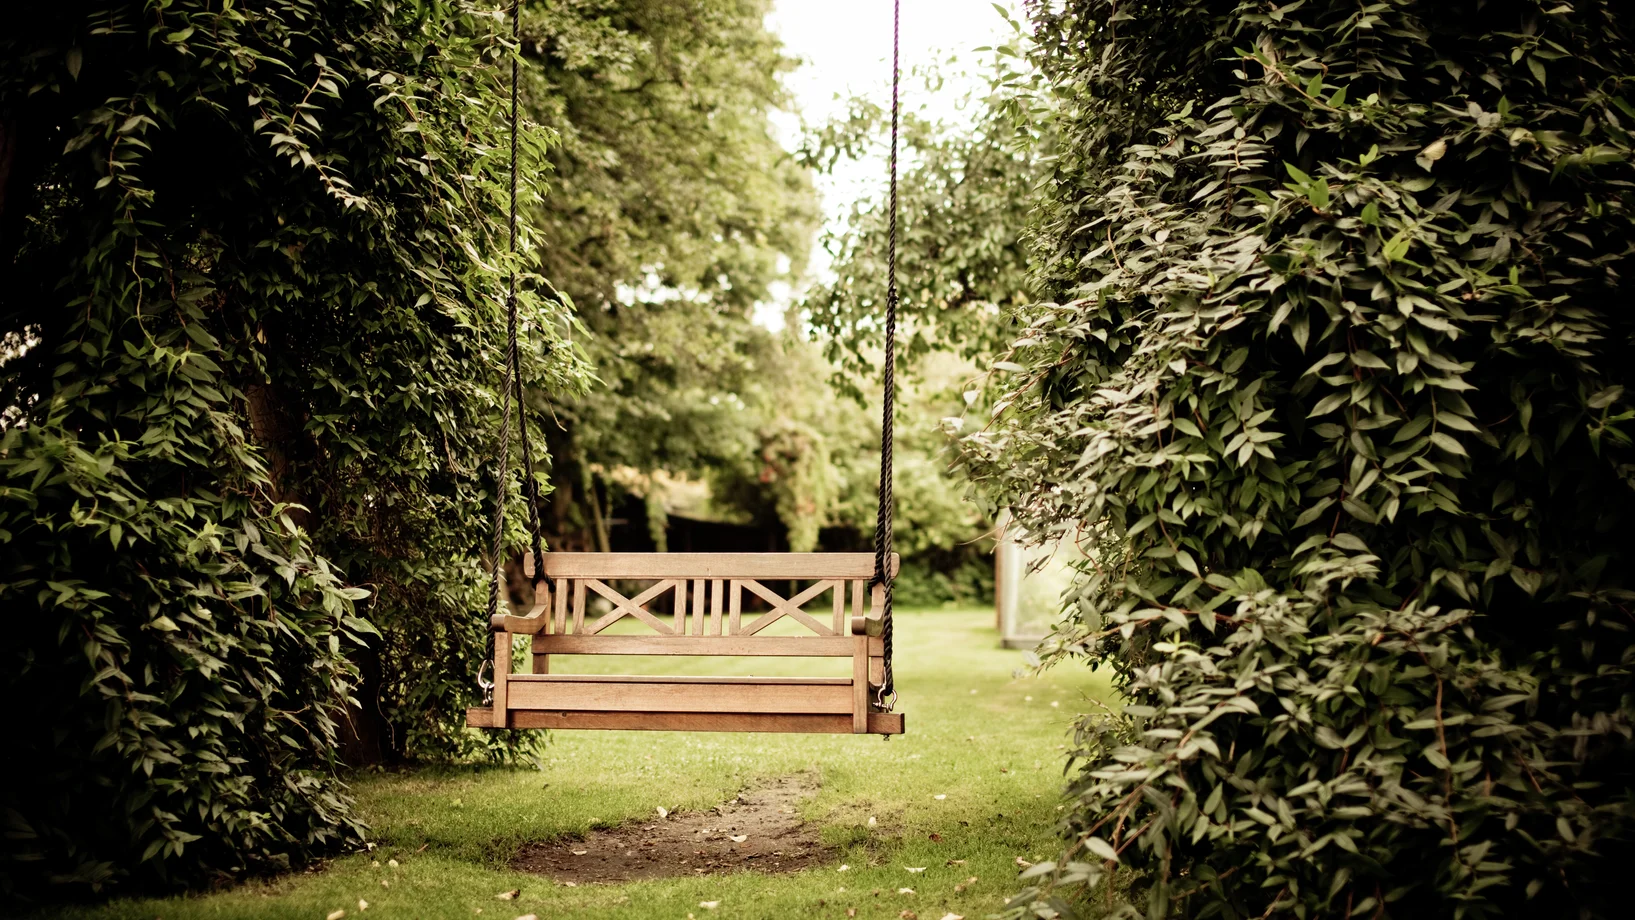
(709, 905)
(851, 911)
(914, 868)
(939, 797)
(1022, 862)
(362, 904)
(336, 915)
(528, 917)
(905, 891)
(934, 838)
(955, 862)
(738, 838)
(960, 888)
(580, 852)
(663, 812)
(844, 868)
(953, 916)
(909, 915)
(392, 863)
(872, 822)
(508, 895)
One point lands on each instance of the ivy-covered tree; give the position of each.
(1333, 382)
(252, 262)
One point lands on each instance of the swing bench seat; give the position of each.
(707, 618)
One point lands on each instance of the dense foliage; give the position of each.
(1334, 387)
(250, 285)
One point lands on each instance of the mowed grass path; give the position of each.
(977, 778)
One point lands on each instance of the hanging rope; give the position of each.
(511, 386)
(887, 697)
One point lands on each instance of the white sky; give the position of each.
(845, 48)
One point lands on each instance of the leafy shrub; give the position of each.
(243, 272)
(1336, 384)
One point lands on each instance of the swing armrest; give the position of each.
(873, 624)
(531, 625)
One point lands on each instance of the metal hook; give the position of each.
(886, 703)
(486, 684)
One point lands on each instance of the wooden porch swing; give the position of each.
(708, 615)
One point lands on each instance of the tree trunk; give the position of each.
(280, 436)
(277, 428)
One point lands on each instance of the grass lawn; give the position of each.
(980, 768)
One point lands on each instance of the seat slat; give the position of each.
(704, 646)
(672, 696)
(879, 723)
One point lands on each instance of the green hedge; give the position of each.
(244, 265)
(1335, 383)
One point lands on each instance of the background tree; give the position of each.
(250, 285)
(673, 212)
(966, 191)
(1333, 383)
(965, 194)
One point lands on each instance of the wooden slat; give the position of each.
(880, 723)
(700, 600)
(860, 685)
(561, 595)
(877, 671)
(735, 608)
(544, 692)
(502, 677)
(711, 679)
(857, 597)
(790, 607)
(712, 565)
(697, 646)
(840, 607)
(716, 600)
(578, 607)
(629, 606)
(679, 624)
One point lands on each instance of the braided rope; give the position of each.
(530, 488)
(512, 381)
(887, 697)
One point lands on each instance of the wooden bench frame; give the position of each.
(709, 620)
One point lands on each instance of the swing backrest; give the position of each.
(695, 604)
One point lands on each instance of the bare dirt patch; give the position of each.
(759, 830)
